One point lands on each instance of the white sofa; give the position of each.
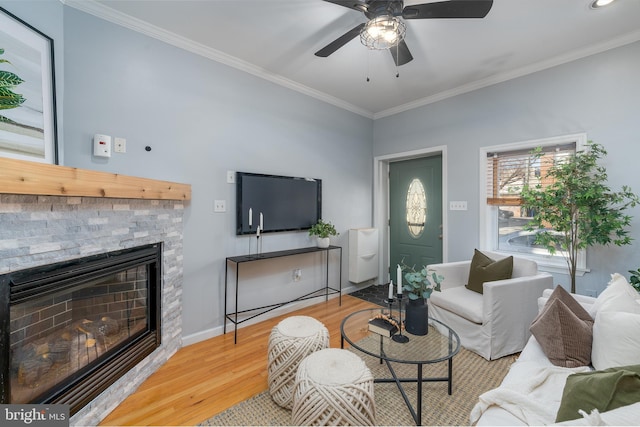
(495, 323)
(531, 392)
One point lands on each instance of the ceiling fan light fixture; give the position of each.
(383, 32)
(596, 4)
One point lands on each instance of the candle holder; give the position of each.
(258, 246)
(399, 337)
(390, 302)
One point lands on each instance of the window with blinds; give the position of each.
(505, 170)
(509, 171)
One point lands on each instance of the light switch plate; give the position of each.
(458, 206)
(231, 177)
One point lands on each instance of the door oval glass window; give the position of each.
(416, 208)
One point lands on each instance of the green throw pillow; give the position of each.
(484, 269)
(602, 390)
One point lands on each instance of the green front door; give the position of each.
(415, 212)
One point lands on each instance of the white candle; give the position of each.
(391, 289)
(258, 232)
(399, 278)
(261, 222)
(250, 217)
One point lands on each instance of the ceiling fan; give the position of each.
(385, 28)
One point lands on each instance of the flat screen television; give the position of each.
(286, 203)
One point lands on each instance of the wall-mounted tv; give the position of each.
(286, 203)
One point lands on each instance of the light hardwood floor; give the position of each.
(206, 378)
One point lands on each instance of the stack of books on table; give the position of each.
(382, 327)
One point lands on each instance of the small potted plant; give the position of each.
(419, 284)
(322, 230)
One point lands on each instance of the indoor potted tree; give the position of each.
(418, 284)
(578, 209)
(322, 230)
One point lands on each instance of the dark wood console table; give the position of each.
(242, 259)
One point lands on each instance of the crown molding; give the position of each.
(523, 71)
(104, 12)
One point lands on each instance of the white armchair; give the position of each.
(496, 322)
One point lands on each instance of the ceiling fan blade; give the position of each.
(401, 54)
(358, 5)
(448, 9)
(339, 42)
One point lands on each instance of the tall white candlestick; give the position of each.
(250, 217)
(391, 289)
(261, 221)
(399, 278)
(258, 232)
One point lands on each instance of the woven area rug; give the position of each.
(472, 376)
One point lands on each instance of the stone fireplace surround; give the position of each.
(37, 230)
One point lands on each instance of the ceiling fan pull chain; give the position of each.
(368, 63)
(396, 62)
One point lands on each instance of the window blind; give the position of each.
(509, 171)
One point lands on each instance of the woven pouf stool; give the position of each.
(334, 387)
(290, 341)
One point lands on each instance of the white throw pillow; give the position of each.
(618, 280)
(618, 286)
(616, 339)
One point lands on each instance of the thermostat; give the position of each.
(101, 145)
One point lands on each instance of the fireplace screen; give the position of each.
(72, 324)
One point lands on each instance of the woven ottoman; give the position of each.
(290, 341)
(333, 387)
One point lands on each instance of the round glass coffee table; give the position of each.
(419, 350)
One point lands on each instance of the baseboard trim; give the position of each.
(218, 330)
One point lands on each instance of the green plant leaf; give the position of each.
(8, 79)
(7, 97)
(4, 119)
(323, 229)
(417, 282)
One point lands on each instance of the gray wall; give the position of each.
(202, 119)
(597, 95)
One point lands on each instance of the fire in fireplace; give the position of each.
(69, 330)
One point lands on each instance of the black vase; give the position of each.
(416, 317)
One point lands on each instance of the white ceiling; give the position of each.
(277, 39)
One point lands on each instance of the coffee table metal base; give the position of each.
(432, 348)
(416, 413)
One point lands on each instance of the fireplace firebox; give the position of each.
(69, 330)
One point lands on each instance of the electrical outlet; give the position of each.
(458, 206)
(219, 206)
(297, 275)
(231, 177)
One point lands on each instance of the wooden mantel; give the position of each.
(23, 177)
